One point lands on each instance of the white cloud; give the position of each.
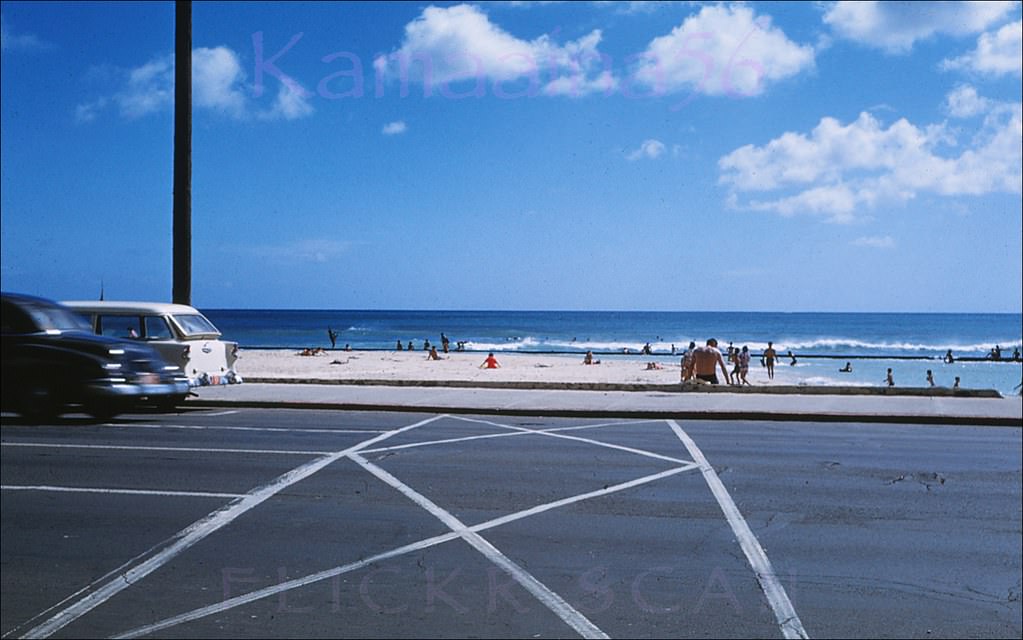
(896, 26)
(650, 149)
(997, 53)
(10, 41)
(148, 88)
(218, 81)
(394, 128)
(964, 102)
(722, 50)
(460, 43)
(876, 242)
(840, 171)
(218, 84)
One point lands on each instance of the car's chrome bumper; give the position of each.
(128, 390)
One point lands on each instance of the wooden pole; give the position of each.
(182, 293)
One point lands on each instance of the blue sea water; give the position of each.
(910, 343)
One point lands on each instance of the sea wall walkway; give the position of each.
(852, 404)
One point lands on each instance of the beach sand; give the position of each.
(287, 364)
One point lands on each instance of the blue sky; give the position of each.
(519, 155)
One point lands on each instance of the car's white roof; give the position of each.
(122, 306)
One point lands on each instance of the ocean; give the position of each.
(909, 343)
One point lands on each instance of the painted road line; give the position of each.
(542, 432)
(296, 583)
(203, 427)
(267, 592)
(130, 492)
(198, 531)
(566, 612)
(784, 612)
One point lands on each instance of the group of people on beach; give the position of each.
(701, 363)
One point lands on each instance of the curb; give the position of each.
(988, 421)
(639, 387)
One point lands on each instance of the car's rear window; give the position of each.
(196, 325)
(53, 317)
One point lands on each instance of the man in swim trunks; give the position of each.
(705, 361)
(770, 355)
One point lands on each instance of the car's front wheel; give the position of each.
(37, 401)
(103, 410)
(169, 404)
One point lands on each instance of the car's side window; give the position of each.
(120, 326)
(156, 328)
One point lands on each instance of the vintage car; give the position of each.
(181, 334)
(52, 363)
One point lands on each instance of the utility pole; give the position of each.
(182, 293)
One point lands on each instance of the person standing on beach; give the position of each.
(770, 355)
(706, 360)
(890, 379)
(744, 364)
(490, 362)
(444, 342)
(930, 378)
(333, 337)
(687, 362)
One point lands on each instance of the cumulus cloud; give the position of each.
(460, 43)
(964, 102)
(895, 27)
(218, 84)
(876, 242)
(11, 41)
(394, 128)
(722, 50)
(840, 170)
(650, 149)
(997, 53)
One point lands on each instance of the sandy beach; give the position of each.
(288, 364)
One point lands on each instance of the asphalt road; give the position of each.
(300, 523)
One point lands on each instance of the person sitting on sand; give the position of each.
(847, 368)
(400, 348)
(650, 366)
(705, 361)
(309, 351)
(433, 354)
(588, 359)
(490, 362)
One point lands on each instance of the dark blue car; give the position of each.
(53, 363)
